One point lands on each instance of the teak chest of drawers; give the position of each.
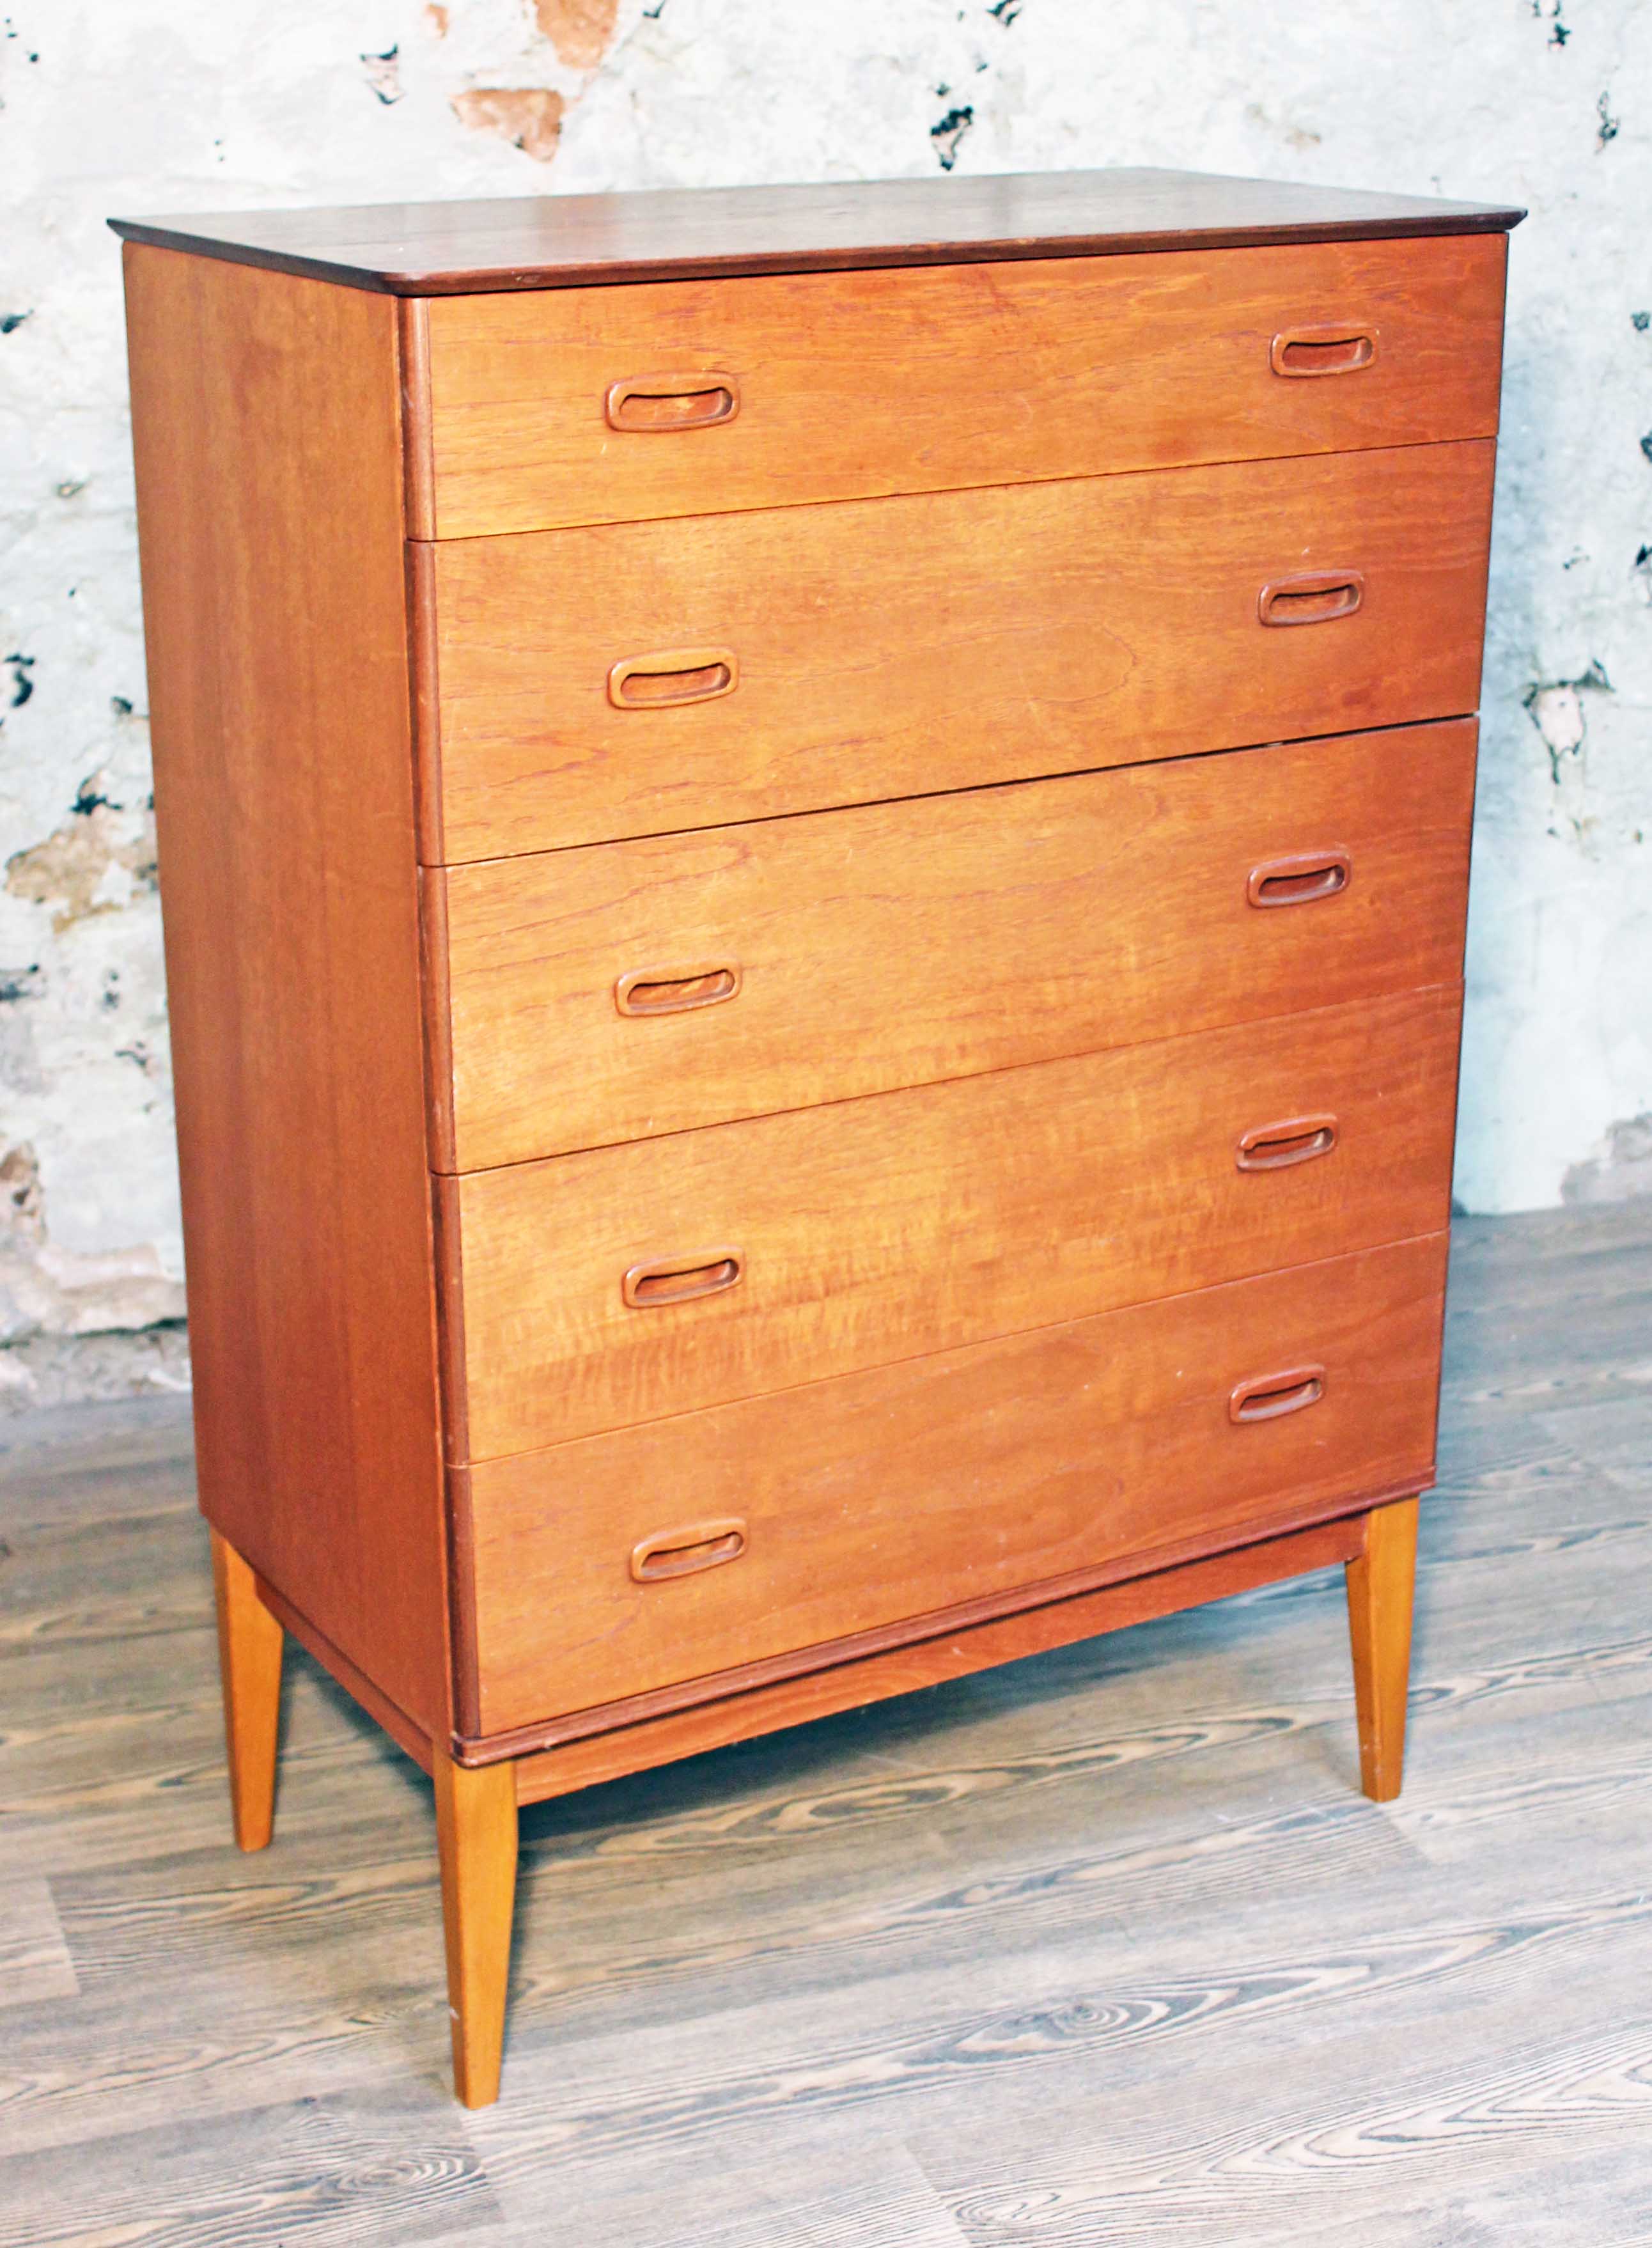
(814, 847)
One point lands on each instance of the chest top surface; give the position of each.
(548, 242)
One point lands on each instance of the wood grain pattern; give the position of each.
(1047, 918)
(589, 1760)
(1046, 1891)
(822, 1387)
(476, 1839)
(418, 461)
(402, 1730)
(965, 1476)
(436, 951)
(269, 471)
(425, 697)
(1073, 367)
(230, 2175)
(250, 1640)
(1380, 1586)
(900, 646)
(547, 242)
(874, 1230)
(34, 1965)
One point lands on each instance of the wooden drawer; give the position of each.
(850, 1506)
(799, 961)
(873, 1230)
(902, 646)
(840, 386)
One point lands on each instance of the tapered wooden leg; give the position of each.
(249, 1663)
(476, 1834)
(1380, 1585)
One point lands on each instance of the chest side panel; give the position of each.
(267, 437)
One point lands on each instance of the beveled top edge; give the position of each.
(551, 242)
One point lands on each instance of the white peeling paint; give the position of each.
(139, 105)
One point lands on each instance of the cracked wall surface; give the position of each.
(143, 106)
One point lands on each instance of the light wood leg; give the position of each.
(249, 1642)
(476, 1834)
(1380, 1586)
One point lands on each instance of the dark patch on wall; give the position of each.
(530, 117)
(22, 1198)
(1558, 32)
(1624, 1170)
(384, 75)
(1608, 129)
(10, 320)
(1005, 11)
(21, 685)
(1641, 320)
(1555, 708)
(119, 705)
(67, 870)
(581, 31)
(21, 983)
(945, 136)
(1646, 444)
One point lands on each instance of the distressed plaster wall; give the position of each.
(181, 105)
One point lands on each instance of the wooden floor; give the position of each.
(1103, 1948)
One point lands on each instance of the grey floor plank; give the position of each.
(309, 2173)
(804, 2183)
(94, 1462)
(1398, 2144)
(35, 1963)
(1101, 1948)
(1614, 1435)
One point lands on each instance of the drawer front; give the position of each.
(631, 1561)
(634, 989)
(809, 657)
(840, 386)
(629, 1283)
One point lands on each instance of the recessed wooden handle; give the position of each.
(672, 674)
(1315, 600)
(684, 1552)
(1299, 881)
(1276, 1147)
(1273, 1395)
(1323, 351)
(658, 404)
(676, 991)
(682, 1279)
